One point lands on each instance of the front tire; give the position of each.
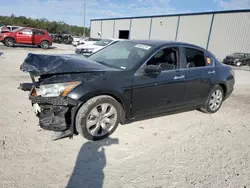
(214, 100)
(98, 117)
(9, 42)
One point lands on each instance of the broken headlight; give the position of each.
(55, 90)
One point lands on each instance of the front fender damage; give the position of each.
(57, 114)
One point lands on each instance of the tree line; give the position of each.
(51, 26)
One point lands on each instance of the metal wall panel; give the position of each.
(230, 33)
(164, 28)
(140, 28)
(107, 29)
(95, 28)
(123, 24)
(194, 29)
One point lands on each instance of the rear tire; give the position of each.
(214, 100)
(44, 44)
(98, 117)
(9, 42)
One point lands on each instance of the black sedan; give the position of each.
(127, 81)
(238, 59)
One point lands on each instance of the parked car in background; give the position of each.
(85, 41)
(88, 49)
(9, 28)
(27, 36)
(238, 59)
(12, 27)
(124, 82)
(62, 38)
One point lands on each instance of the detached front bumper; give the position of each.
(56, 113)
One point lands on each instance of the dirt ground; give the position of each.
(189, 149)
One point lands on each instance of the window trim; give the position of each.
(142, 67)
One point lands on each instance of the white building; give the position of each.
(222, 32)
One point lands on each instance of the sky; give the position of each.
(72, 11)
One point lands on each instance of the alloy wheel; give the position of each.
(215, 100)
(101, 119)
(45, 45)
(9, 42)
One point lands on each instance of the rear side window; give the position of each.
(195, 58)
(37, 32)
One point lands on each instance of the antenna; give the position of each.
(84, 15)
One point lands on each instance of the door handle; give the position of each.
(179, 77)
(211, 72)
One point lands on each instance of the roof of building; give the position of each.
(181, 14)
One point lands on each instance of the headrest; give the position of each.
(171, 58)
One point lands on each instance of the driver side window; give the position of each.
(27, 32)
(166, 59)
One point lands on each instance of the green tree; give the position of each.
(50, 26)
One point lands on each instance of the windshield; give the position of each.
(17, 29)
(238, 54)
(103, 42)
(123, 55)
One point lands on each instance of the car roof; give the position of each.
(153, 42)
(13, 26)
(33, 28)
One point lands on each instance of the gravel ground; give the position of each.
(189, 149)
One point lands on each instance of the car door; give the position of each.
(153, 94)
(37, 36)
(24, 36)
(200, 75)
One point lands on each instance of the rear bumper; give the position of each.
(228, 94)
(56, 113)
(230, 87)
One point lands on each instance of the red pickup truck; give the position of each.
(28, 36)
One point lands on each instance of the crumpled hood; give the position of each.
(44, 64)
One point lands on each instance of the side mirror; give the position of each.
(20, 32)
(152, 70)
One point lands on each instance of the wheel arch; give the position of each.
(43, 41)
(116, 95)
(9, 37)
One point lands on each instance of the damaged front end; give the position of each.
(55, 113)
(57, 76)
